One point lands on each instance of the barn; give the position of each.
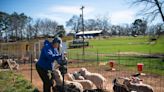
(89, 34)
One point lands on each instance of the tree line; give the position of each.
(20, 26)
(138, 27)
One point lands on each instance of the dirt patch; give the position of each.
(25, 70)
(157, 82)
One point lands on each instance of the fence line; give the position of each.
(125, 66)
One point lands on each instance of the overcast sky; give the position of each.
(118, 11)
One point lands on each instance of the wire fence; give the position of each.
(124, 64)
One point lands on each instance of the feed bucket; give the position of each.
(111, 64)
(140, 67)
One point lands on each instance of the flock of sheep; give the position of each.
(85, 81)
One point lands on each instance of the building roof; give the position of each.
(89, 32)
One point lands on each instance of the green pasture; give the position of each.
(104, 50)
(125, 44)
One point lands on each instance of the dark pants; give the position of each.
(46, 78)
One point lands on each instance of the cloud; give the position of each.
(70, 9)
(54, 17)
(125, 16)
(63, 13)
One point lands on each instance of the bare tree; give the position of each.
(36, 28)
(90, 24)
(74, 23)
(45, 27)
(30, 31)
(152, 8)
(103, 23)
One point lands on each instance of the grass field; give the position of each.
(125, 44)
(11, 82)
(104, 50)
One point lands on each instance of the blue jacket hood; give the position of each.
(47, 43)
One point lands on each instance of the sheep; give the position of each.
(59, 82)
(136, 80)
(68, 87)
(73, 86)
(87, 84)
(70, 77)
(13, 64)
(118, 87)
(139, 87)
(96, 78)
(77, 76)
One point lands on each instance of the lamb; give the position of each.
(138, 87)
(118, 87)
(96, 78)
(59, 81)
(87, 84)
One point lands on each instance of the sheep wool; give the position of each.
(87, 84)
(137, 87)
(96, 78)
(59, 81)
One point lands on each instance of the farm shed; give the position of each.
(89, 34)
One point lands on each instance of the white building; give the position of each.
(89, 34)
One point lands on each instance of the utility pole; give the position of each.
(82, 28)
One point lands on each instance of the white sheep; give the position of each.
(87, 84)
(96, 78)
(13, 64)
(59, 81)
(78, 76)
(138, 87)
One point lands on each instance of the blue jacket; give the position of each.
(47, 56)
